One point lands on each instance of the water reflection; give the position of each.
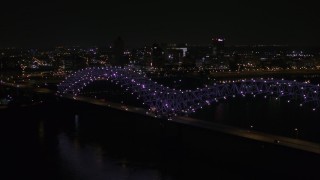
(105, 144)
(41, 131)
(87, 162)
(220, 112)
(76, 122)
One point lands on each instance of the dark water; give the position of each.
(67, 140)
(266, 114)
(256, 113)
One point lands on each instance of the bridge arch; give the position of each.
(167, 101)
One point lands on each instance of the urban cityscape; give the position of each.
(160, 105)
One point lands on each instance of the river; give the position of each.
(61, 139)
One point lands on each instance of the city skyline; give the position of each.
(48, 24)
(164, 90)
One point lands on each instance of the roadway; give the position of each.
(264, 73)
(244, 133)
(253, 135)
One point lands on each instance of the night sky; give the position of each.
(52, 23)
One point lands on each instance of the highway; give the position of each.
(15, 85)
(244, 133)
(253, 135)
(266, 73)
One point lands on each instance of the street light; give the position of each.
(296, 132)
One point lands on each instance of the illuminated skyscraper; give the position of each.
(218, 48)
(158, 58)
(118, 53)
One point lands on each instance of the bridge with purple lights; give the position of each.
(169, 102)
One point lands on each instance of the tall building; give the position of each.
(218, 48)
(176, 53)
(158, 56)
(199, 55)
(118, 58)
